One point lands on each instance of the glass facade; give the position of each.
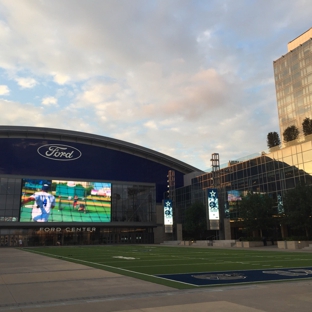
(53, 236)
(10, 192)
(133, 203)
(293, 83)
(273, 173)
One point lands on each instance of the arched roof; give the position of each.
(95, 140)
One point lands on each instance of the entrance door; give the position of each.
(8, 240)
(4, 240)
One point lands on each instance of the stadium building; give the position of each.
(105, 191)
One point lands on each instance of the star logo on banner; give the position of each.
(212, 193)
(168, 212)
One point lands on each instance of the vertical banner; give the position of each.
(213, 204)
(168, 216)
(280, 207)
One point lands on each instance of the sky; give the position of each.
(186, 78)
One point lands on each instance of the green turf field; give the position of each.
(144, 262)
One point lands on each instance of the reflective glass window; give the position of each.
(308, 167)
(286, 152)
(306, 146)
(290, 183)
(307, 156)
(288, 172)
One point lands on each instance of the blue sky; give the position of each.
(185, 78)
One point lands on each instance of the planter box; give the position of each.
(282, 244)
(248, 244)
(186, 243)
(252, 244)
(293, 244)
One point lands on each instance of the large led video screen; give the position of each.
(65, 201)
(234, 196)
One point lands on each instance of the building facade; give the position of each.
(293, 82)
(105, 191)
(272, 173)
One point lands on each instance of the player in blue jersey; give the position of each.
(44, 202)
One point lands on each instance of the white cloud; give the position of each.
(49, 100)
(18, 114)
(60, 78)
(26, 83)
(151, 125)
(185, 78)
(4, 90)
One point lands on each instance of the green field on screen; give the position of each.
(66, 213)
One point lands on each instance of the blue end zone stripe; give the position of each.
(238, 277)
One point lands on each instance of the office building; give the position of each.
(271, 172)
(293, 82)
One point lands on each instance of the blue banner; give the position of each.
(168, 215)
(213, 204)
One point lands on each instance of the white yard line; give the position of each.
(115, 268)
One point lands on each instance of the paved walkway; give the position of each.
(33, 283)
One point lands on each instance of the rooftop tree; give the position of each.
(291, 133)
(307, 126)
(273, 139)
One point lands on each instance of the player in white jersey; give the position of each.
(44, 202)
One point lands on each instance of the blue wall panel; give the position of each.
(21, 157)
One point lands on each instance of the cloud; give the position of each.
(185, 78)
(4, 90)
(49, 100)
(92, 39)
(151, 125)
(60, 78)
(26, 83)
(20, 115)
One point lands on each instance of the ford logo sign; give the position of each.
(59, 152)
